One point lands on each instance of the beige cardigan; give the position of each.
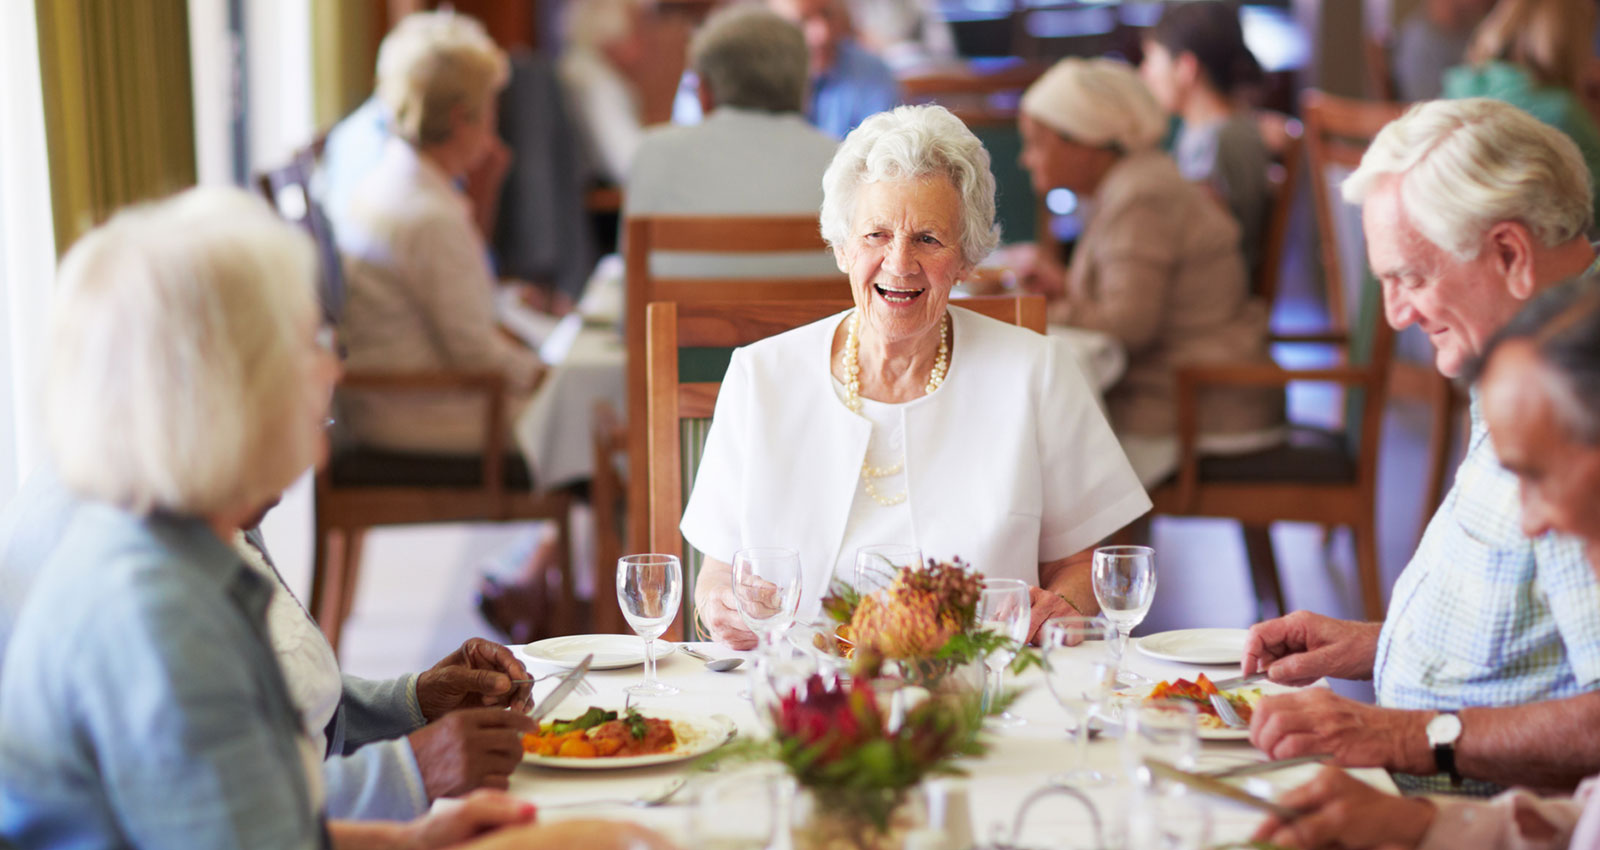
(1159, 268)
(420, 297)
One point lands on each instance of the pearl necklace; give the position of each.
(852, 399)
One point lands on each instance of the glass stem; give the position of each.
(1080, 746)
(1122, 642)
(649, 661)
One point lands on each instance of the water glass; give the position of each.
(1080, 667)
(1004, 608)
(1163, 815)
(649, 588)
(877, 565)
(783, 670)
(1167, 729)
(742, 811)
(766, 588)
(1125, 585)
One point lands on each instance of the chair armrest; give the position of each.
(1313, 338)
(490, 385)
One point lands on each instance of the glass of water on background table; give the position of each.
(1003, 609)
(1124, 585)
(649, 588)
(1080, 666)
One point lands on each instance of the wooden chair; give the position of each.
(1319, 475)
(607, 493)
(682, 397)
(361, 488)
(1287, 141)
(646, 235)
(1338, 131)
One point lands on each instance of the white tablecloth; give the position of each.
(1020, 759)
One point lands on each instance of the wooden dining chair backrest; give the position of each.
(1288, 144)
(643, 237)
(689, 347)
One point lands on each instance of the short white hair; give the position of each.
(595, 23)
(1099, 103)
(1467, 165)
(177, 342)
(751, 59)
(911, 143)
(432, 63)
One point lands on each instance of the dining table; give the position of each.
(1019, 760)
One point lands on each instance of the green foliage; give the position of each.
(587, 720)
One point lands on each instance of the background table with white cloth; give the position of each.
(1020, 759)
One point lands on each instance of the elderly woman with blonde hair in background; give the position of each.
(420, 293)
(1532, 54)
(188, 385)
(1158, 266)
(932, 425)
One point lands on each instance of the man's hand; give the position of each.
(470, 749)
(1303, 647)
(479, 813)
(477, 674)
(1045, 605)
(1317, 720)
(720, 612)
(1344, 812)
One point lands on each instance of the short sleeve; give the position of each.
(1514, 820)
(1568, 586)
(711, 519)
(1089, 488)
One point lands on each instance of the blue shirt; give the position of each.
(858, 85)
(143, 704)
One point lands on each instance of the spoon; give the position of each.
(715, 665)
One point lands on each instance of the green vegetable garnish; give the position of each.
(635, 722)
(588, 720)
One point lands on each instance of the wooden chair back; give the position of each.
(646, 235)
(676, 404)
(1283, 177)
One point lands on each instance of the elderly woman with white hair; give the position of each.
(144, 705)
(419, 290)
(933, 425)
(1158, 266)
(604, 50)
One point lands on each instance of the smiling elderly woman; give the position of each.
(932, 425)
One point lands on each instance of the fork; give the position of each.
(1226, 713)
(583, 689)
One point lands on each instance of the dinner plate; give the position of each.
(611, 652)
(697, 733)
(1196, 646)
(1209, 734)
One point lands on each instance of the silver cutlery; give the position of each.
(643, 801)
(1226, 713)
(1257, 767)
(569, 683)
(715, 665)
(1239, 681)
(1217, 788)
(584, 688)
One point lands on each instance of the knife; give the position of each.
(1218, 788)
(568, 682)
(1255, 767)
(1239, 681)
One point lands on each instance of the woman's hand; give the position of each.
(479, 813)
(713, 599)
(1341, 811)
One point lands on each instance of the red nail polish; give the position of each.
(527, 810)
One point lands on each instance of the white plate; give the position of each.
(1196, 646)
(1209, 734)
(611, 652)
(698, 734)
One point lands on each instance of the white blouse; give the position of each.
(1008, 464)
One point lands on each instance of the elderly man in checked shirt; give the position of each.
(1484, 665)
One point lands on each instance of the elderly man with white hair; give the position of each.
(604, 48)
(1486, 662)
(753, 155)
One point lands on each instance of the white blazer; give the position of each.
(1010, 463)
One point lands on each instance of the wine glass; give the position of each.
(648, 589)
(757, 794)
(1163, 814)
(1125, 585)
(1003, 609)
(877, 565)
(1080, 666)
(766, 588)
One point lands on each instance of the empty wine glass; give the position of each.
(648, 589)
(757, 793)
(1003, 609)
(877, 565)
(1125, 585)
(1080, 666)
(1163, 814)
(766, 588)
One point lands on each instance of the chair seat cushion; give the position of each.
(1309, 455)
(365, 467)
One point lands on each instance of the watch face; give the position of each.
(1444, 729)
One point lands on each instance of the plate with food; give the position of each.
(1196, 646)
(609, 739)
(611, 652)
(1199, 692)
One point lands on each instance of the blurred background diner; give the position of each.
(500, 199)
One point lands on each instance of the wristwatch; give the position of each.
(1443, 732)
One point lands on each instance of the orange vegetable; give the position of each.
(578, 747)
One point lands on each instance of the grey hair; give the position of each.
(432, 63)
(1563, 325)
(752, 59)
(908, 143)
(1467, 165)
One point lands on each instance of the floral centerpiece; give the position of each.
(926, 620)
